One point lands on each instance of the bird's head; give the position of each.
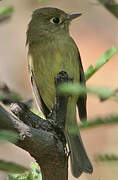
(49, 22)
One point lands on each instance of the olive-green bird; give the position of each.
(52, 50)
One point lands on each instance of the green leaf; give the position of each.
(5, 12)
(35, 174)
(8, 136)
(11, 167)
(106, 158)
(30, 176)
(12, 177)
(77, 89)
(105, 57)
(90, 71)
(71, 89)
(103, 93)
(24, 176)
(36, 171)
(100, 121)
(100, 62)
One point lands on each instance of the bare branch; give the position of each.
(43, 139)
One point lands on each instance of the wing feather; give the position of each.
(39, 101)
(81, 103)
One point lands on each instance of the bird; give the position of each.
(51, 49)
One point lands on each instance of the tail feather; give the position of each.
(79, 159)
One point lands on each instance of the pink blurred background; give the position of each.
(94, 33)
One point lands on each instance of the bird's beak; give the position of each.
(73, 16)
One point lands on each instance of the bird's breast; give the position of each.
(48, 61)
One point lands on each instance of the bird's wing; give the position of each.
(40, 103)
(81, 103)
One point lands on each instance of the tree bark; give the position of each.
(43, 139)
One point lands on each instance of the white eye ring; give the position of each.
(55, 20)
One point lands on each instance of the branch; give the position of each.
(43, 139)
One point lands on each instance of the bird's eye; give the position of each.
(55, 20)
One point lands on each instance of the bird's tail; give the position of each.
(79, 159)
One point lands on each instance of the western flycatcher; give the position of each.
(52, 50)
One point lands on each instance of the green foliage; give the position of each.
(77, 89)
(97, 122)
(108, 120)
(102, 93)
(71, 89)
(5, 12)
(11, 167)
(5, 165)
(35, 174)
(100, 62)
(106, 158)
(8, 136)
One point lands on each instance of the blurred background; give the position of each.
(94, 33)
